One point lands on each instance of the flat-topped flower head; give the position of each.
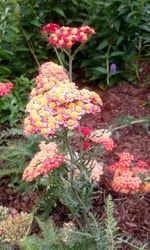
(45, 160)
(128, 175)
(54, 103)
(5, 88)
(49, 69)
(125, 182)
(49, 28)
(66, 37)
(124, 162)
(103, 137)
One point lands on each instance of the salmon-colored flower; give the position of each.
(128, 175)
(103, 137)
(45, 160)
(125, 182)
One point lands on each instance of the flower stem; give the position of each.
(71, 155)
(70, 65)
(107, 65)
(59, 59)
(72, 178)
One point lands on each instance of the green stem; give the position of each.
(107, 65)
(70, 65)
(128, 124)
(71, 155)
(72, 177)
(59, 59)
(83, 208)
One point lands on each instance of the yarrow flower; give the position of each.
(43, 161)
(51, 69)
(84, 132)
(66, 37)
(127, 174)
(55, 103)
(96, 170)
(5, 88)
(125, 182)
(125, 161)
(15, 228)
(103, 137)
(49, 28)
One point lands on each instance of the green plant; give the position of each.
(12, 106)
(15, 155)
(116, 41)
(13, 229)
(123, 40)
(8, 35)
(103, 235)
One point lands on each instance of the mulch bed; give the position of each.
(132, 213)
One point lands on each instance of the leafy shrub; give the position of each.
(12, 106)
(122, 36)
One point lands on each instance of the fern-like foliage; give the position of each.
(16, 153)
(4, 246)
(102, 235)
(111, 234)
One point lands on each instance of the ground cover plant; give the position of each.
(69, 163)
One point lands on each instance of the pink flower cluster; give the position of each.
(107, 143)
(49, 28)
(5, 88)
(127, 175)
(66, 37)
(97, 137)
(43, 161)
(57, 103)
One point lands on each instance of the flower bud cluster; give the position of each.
(45, 160)
(66, 37)
(127, 175)
(49, 28)
(125, 182)
(5, 88)
(67, 229)
(103, 137)
(13, 229)
(56, 103)
(96, 170)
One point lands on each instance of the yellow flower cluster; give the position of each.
(56, 103)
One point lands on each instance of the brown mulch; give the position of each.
(132, 213)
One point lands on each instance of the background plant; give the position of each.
(15, 155)
(12, 106)
(122, 36)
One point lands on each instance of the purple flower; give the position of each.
(113, 68)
